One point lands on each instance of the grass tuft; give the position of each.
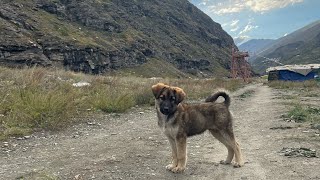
(300, 113)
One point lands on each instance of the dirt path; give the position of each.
(130, 146)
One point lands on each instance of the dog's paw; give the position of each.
(170, 167)
(224, 162)
(237, 165)
(178, 169)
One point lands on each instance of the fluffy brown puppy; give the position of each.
(179, 121)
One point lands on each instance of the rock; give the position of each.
(282, 127)
(315, 126)
(298, 152)
(77, 177)
(81, 84)
(5, 145)
(75, 136)
(91, 123)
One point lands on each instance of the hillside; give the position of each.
(300, 47)
(149, 38)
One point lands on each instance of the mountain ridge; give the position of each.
(109, 35)
(299, 47)
(254, 46)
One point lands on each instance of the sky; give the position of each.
(260, 19)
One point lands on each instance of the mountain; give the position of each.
(254, 46)
(150, 38)
(300, 47)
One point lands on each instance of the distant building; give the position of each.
(294, 72)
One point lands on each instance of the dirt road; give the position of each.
(130, 146)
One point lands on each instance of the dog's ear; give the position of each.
(179, 93)
(156, 89)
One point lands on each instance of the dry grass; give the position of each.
(290, 84)
(201, 88)
(37, 98)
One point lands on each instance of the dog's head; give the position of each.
(168, 97)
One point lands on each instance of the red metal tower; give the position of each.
(240, 68)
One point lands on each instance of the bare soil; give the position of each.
(131, 146)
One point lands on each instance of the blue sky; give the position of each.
(260, 19)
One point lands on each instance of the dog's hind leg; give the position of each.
(238, 154)
(174, 162)
(219, 136)
(229, 139)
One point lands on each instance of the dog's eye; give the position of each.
(162, 97)
(173, 98)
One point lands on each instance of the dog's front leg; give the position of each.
(174, 154)
(181, 144)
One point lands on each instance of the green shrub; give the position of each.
(300, 113)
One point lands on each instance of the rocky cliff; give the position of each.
(99, 36)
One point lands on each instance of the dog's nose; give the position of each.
(166, 109)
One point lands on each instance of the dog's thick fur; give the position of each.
(179, 120)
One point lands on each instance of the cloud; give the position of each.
(203, 2)
(266, 5)
(235, 6)
(225, 8)
(234, 29)
(247, 28)
(241, 39)
(233, 25)
(224, 24)
(234, 22)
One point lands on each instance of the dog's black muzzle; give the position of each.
(165, 110)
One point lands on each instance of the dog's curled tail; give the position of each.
(223, 93)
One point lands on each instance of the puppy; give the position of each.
(179, 121)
